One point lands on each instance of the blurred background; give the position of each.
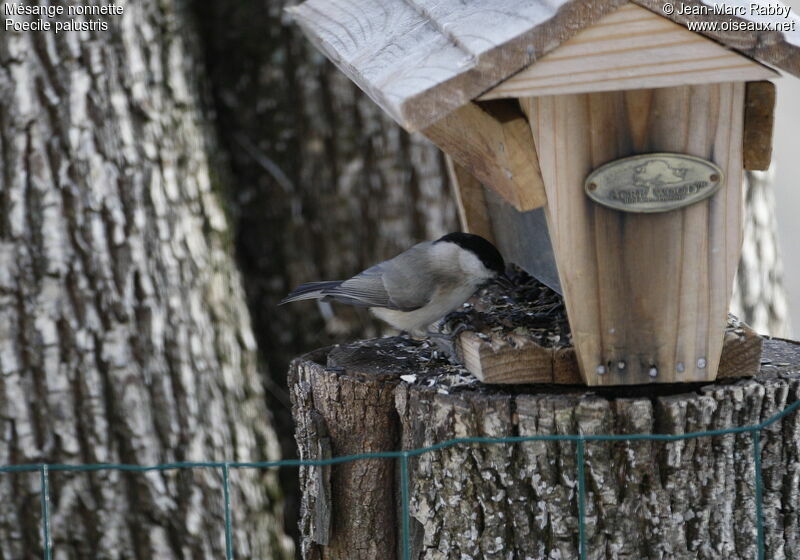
(786, 160)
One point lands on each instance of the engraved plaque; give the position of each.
(653, 182)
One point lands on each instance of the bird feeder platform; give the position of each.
(522, 336)
(610, 137)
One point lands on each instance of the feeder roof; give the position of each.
(421, 59)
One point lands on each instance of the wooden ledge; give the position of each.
(493, 142)
(522, 335)
(509, 358)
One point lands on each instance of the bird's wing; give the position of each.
(399, 283)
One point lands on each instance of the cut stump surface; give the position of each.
(688, 499)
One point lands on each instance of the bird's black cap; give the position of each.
(483, 249)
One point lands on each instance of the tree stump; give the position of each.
(690, 499)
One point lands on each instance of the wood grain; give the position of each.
(650, 291)
(779, 48)
(421, 59)
(630, 48)
(345, 414)
(759, 119)
(506, 358)
(493, 142)
(470, 201)
(741, 352)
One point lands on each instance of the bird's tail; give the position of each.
(312, 290)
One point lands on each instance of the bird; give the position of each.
(418, 287)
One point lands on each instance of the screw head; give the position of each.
(679, 367)
(701, 363)
(653, 371)
(621, 365)
(601, 369)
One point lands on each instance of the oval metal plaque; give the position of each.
(653, 182)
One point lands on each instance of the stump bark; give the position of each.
(691, 499)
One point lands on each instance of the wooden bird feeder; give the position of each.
(543, 104)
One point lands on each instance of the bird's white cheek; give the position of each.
(473, 267)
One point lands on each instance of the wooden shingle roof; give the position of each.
(421, 59)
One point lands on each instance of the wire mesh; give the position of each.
(580, 440)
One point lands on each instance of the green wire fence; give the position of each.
(580, 441)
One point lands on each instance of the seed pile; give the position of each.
(528, 309)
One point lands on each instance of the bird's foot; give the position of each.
(445, 344)
(447, 341)
(457, 328)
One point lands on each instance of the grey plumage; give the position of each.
(419, 286)
(393, 284)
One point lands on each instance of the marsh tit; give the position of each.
(419, 286)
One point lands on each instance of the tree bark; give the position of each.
(323, 184)
(124, 334)
(759, 297)
(691, 499)
(317, 161)
(358, 415)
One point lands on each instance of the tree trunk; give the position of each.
(323, 184)
(759, 298)
(316, 160)
(691, 499)
(124, 335)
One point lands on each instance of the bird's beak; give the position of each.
(504, 281)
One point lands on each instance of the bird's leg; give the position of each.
(460, 326)
(446, 344)
(438, 335)
(447, 341)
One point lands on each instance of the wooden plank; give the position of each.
(650, 291)
(741, 352)
(759, 118)
(746, 33)
(505, 358)
(493, 142)
(470, 201)
(630, 48)
(421, 59)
